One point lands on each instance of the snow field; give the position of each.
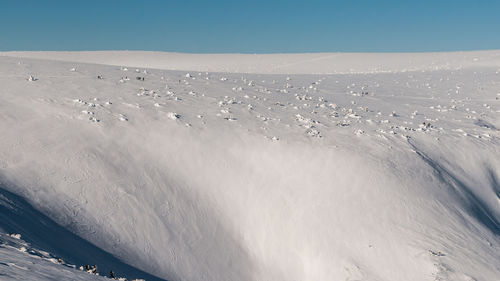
(380, 175)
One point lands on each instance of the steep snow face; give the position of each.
(224, 176)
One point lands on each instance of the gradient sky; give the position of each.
(250, 26)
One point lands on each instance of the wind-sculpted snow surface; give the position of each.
(226, 176)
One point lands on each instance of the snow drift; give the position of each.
(388, 174)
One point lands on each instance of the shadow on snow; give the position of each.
(18, 216)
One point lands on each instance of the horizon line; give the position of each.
(256, 53)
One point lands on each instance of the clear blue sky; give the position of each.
(250, 26)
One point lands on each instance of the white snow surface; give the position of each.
(308, 63)
(299, 167)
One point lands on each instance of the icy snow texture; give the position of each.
(388, 174)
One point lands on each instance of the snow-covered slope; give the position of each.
(312, 63)
(44, 244)
(20, 262)
(225, 176)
